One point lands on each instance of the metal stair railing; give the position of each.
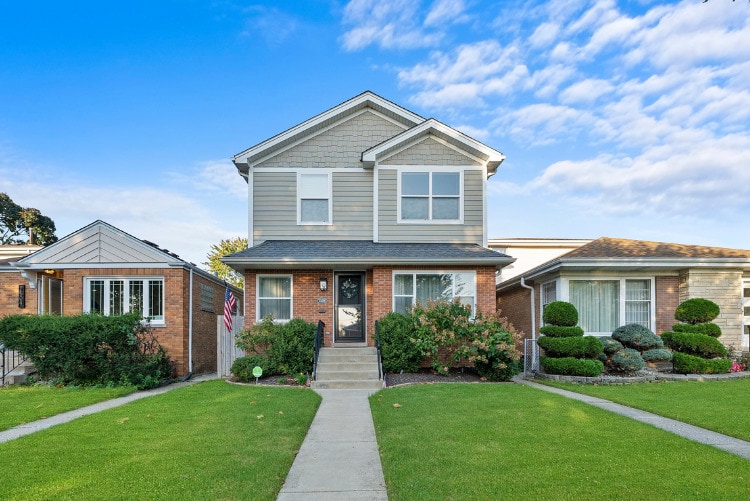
(9, 361)
(377, 345)
(317, 345)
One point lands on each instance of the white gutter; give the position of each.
(534, 357)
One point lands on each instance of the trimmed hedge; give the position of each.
(560, 313)
(696, 311)
(637, 336)
(694, 344)
(570, 366)
(242, 368)
(657, 355)
(288, 347)
(691, 364)
(708, 329)
(627, 360)
(397, 346)
(611, 346)
(578, 347)
(561, 331)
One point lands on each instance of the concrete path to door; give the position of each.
(339, 458)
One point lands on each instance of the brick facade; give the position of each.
(9, 282)
(667, 299)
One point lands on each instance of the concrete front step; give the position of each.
(347, 368)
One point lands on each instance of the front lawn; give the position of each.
(23, 404)
(506, 441)
(720, 406)
(211, 440)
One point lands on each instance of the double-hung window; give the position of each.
(430, 196)
(549, 294)
(275, 297)
(603, 305)
(314, 197)
(115, 296)
(423, 286)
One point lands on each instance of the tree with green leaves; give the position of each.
(224, 248)
(16, 221)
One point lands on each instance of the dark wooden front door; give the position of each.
(350, 307)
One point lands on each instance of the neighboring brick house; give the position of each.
(613, 282)
(101, 269)
(362, 210)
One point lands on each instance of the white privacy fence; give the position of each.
(226, 349)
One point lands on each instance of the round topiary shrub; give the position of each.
(708, 329)
(627, 360)
(611, 345)
(560, 331)
(695, 344)
(578, 347)
(657, 355)
(696, 311)
(570, 366)
(691, 364)
(637, 336)
(560, 313)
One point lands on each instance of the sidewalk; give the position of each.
(728, 444)
(43, 424)
(339, 458)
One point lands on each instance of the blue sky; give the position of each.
(622, 118)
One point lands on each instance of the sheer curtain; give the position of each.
(275, 297)
(598, 304)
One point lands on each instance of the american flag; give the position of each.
(229, 304)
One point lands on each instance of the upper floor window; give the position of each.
(314, 197)
(430, 196)
(115, 296)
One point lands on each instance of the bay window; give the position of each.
(423, 286)
(115, 296)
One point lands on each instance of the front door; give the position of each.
(350, 307)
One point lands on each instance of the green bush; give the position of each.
(694, 344)
(89, 350)
(577, 347)
(572, 366)
(657, 355)
(288, 347)
(708, 329)
(398, 346)
(691, 364)
(560, 313)
(242, 368)
(626, 360)
(696, 311)
(637, 336)
(611, 345)
(560, 331)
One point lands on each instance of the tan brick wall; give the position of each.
(667, 297)
(9, 283)
(723, 287)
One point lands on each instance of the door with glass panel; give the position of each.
(350, 307)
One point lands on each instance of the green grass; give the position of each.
(463, 441)
(721, 406)
(211, 440)
(23, 404)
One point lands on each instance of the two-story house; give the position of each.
(361, 210)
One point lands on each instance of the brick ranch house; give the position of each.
(613, 282)
(362, 210)
(101, 269)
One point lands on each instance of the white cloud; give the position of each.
(445, 11)
(585, 91)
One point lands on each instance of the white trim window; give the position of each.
(607, 303)
(314, 204)
(274, 297)
(410, 287)
(118, 295)
(548, 294)
(430, 196)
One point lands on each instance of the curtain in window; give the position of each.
(598, 304)
(434, 287)
(275, 297)
(638, 302)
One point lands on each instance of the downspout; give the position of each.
(190, 329)
(534, 355)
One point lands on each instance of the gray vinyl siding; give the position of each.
(389, 230)
(430, 152)
(275, 207)
(340, 146)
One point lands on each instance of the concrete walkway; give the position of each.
(339, 458)
(43, 424)
(728, 444)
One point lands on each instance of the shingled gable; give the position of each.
(287, 139)
(437, 130)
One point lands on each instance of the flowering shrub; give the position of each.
(737, 366)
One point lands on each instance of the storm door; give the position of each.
(350, 307)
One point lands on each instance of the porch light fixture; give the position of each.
(323, 283)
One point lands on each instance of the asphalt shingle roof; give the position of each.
(621, 248)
